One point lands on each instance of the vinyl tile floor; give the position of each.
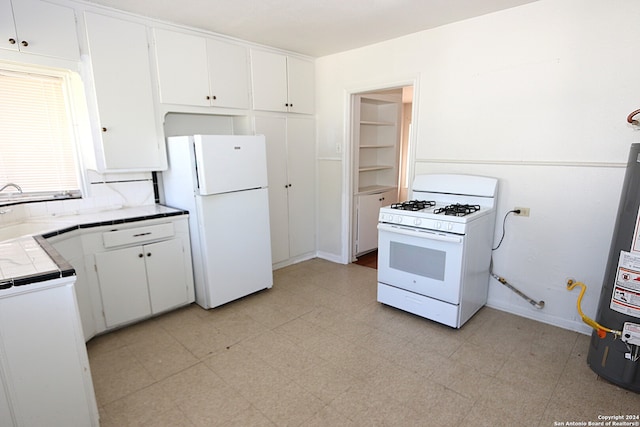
(318, 350)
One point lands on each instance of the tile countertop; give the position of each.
(26, 256)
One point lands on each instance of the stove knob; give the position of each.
(400, 219)
(417, 221)
(438, 225)
(449, 226)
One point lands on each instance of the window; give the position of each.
(37, 140)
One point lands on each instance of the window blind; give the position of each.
(36, 141)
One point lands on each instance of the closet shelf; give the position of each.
(377, 146)
(375, 123)
(374, 168)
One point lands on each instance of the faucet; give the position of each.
(11, 184)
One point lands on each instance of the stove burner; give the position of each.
(457, 210)
(413, 205)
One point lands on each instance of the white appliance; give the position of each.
(222, 181)
(434, 251)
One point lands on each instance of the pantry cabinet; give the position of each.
(291, 175)
(377, 140)
(200, 71)
(125, 129)
(282, 83)
(37, 27)
(376, 125)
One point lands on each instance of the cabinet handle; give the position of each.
(286, 105)
(140, 255)
(215, 97)
(24, 43)
(12, 41)
(104, 129)
(148, 253)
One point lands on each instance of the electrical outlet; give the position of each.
(523, 211)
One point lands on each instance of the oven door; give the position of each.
(421, 261)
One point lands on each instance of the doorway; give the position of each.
(380, 136)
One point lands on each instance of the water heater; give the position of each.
(615, 356)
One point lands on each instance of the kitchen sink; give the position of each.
(30, 228)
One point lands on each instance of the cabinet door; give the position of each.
(368, 206)
(47, 370)
(275, 131)
(300, 75)
(123, 285)
(46, 29)
(269, 77)
(122, 77)
(166, 275)
(291, 175)
(6, 419)
(71, 249)
(7, 27)
(368, 209)
(182, 68)
(301, 168)
(228, 74)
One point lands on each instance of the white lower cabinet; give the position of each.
(142, 280)
(367, 212)
(69, 245)
(45, 378)
(129, 271)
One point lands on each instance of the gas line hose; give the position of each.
(536, 304)
(601, 330)
(502, 280)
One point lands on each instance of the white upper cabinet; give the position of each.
(34, 26)
(282, 83)
(198, 71)
(228, 74)
(128, 134)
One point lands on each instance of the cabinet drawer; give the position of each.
(137, 235)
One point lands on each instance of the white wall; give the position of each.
(535, 95)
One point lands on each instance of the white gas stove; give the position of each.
(443, 202)
(434, 250)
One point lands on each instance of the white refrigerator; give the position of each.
(222, 181)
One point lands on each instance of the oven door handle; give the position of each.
(419, 233)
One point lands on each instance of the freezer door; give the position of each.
(227, 163)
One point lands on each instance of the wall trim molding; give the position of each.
(526, 163)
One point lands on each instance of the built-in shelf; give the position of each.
(376, 141)
(372, 123)
(377, 146)
(373, 189)
(374, 168)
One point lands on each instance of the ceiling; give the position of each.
(313, 27)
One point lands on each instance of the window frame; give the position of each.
(73, 94)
